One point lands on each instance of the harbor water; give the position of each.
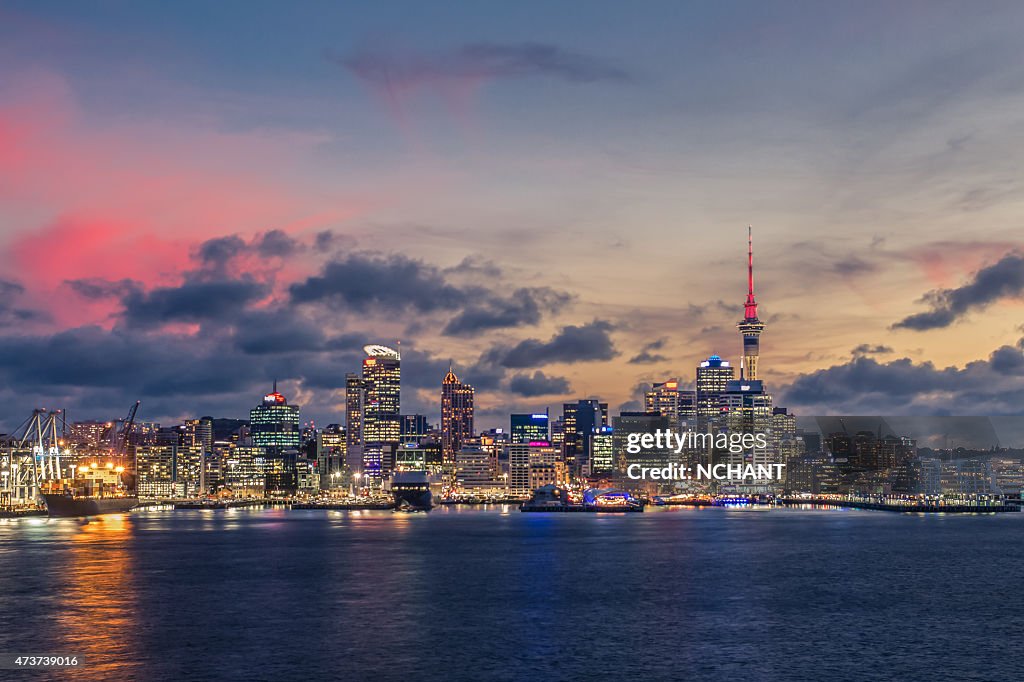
(473, 593)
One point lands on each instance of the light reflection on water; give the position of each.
(96, 613)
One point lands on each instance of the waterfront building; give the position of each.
(331, 451)
(474, 469)
(456, 415)
(542, 474)
(496, 442)
(814, 473)
(155, 465)
(974, 477)
(166, 471)
(1009, 476)
(521, 456)
(243, 469)
(918, 476)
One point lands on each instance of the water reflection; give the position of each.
(98, 615)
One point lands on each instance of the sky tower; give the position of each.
(750, 327)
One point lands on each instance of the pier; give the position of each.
(908, 506)
(615, 509)
(344, 506)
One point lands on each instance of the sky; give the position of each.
(199, 198)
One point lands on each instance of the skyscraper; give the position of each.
(456, 415)
(664, 398)
(750, 327)
(274, 424)
(355, 393)
(580, 420)
(382, 376)
(712, 376)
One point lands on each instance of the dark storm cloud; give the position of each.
(1004, 279)
(91, 357)
(191, 302)
(361, 281)
(866, 386)
(478, 60)
(647, 354)
(538, 384)
(264, 332)
(523, 307)
(365, 282)
(572, 344)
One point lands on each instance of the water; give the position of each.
(474, 594)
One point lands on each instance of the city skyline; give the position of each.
(224, 211)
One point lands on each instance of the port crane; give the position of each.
(32, 456)
(124, 438)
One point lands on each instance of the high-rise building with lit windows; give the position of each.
(355, 394)
(712, 376)
(530, 428)
(382, 420)
(668, 400)
(456, 415)
(580, 420)
(274, 424)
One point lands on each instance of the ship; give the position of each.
(68, 504)
(411, 491)
(94, 490)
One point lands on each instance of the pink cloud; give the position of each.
(129, 198)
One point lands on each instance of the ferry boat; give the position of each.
(411, 491)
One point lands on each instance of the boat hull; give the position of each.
(65, 506)
(413, 500)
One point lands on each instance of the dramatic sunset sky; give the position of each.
(198, 197)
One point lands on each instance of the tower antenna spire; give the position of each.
(751, 305)
(750, 327)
